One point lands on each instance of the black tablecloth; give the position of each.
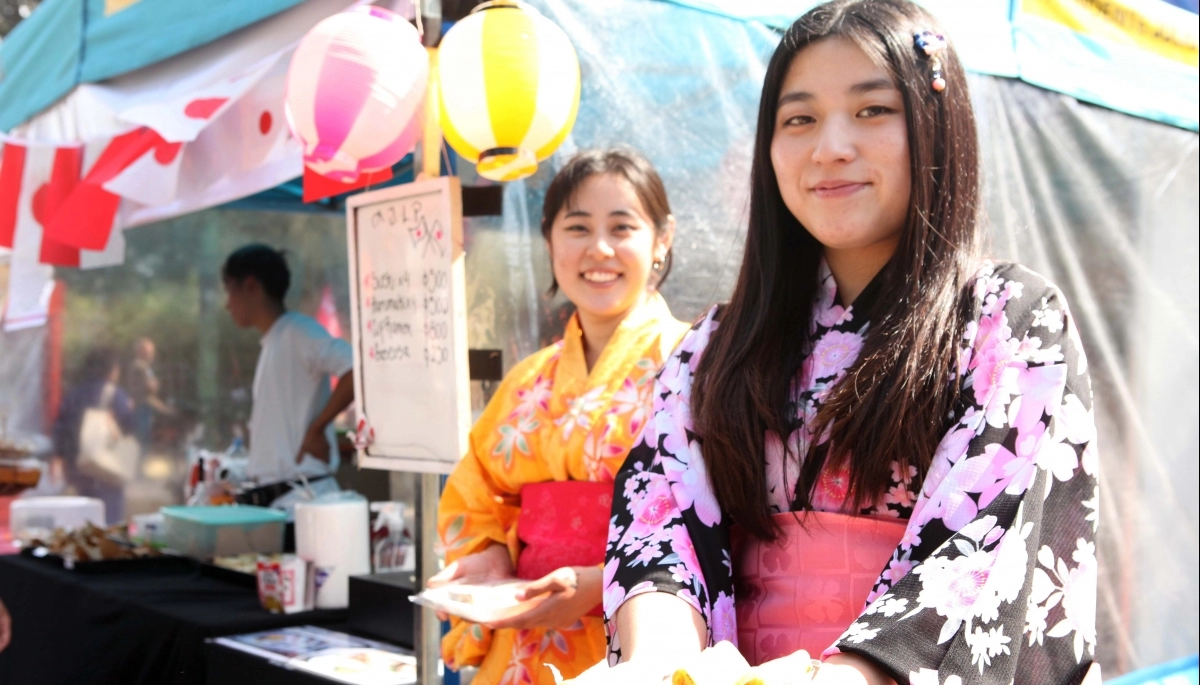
(137, 624)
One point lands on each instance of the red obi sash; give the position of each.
(803, 590)
(563, 523)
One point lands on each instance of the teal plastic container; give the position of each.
(207, 532)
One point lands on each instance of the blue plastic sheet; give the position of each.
(68, 42)
(996, 37)
(1184, 671)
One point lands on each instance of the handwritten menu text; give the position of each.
(406, 304)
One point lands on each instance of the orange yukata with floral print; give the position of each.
(550, 420)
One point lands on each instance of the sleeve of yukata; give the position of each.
(995, 578)
(667, 533)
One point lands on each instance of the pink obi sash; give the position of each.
(804, 590)
(563, 523)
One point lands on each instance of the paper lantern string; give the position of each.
(932, 46)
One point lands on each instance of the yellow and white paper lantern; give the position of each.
(509, 81)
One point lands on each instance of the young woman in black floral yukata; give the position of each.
(881, 451)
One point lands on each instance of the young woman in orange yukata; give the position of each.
(531, 498)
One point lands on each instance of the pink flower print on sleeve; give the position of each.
(724, 619)
(652, 508)
(633, 399)
(614, 594)
(688, 567)
(690, 485)
(533, 398)
(951, 586)
(596, 451)
(994, 367)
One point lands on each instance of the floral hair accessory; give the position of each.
(932, 46)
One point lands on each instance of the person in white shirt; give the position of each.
(291, 436)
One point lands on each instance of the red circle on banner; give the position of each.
(38, 203)
(264, 123)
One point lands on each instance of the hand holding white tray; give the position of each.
(479, 601)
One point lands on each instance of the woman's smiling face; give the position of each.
(603, 247)
(840, 150)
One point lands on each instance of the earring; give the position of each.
(932, 46)
(657, 265)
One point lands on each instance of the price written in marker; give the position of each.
(401, 315)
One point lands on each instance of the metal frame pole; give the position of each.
(428, 629)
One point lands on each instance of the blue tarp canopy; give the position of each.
(1134, 56)
(69, 42)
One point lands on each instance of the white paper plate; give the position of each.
(479, 602)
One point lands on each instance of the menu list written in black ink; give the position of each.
(407, 302)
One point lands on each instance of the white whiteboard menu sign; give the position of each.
(408, 318)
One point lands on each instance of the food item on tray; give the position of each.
(242, 563)
(17, 475)
(92, 543)
(16, 448)
(484, 595)
(363, 665)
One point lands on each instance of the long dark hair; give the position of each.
(626, 163)
(892, 403)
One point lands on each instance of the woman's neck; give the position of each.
(853, 269)
(599, 330)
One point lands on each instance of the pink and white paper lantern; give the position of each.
(355, 91)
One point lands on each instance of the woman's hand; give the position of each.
(572, 592)
(493, 563)
(851, 669)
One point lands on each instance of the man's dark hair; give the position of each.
(264, 264)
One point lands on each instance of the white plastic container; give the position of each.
(332, 532)
(41, 515)
(206, 532)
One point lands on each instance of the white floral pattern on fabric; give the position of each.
(994, 580)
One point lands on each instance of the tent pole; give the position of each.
(429, 628)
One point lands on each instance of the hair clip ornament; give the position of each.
(932, 46)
